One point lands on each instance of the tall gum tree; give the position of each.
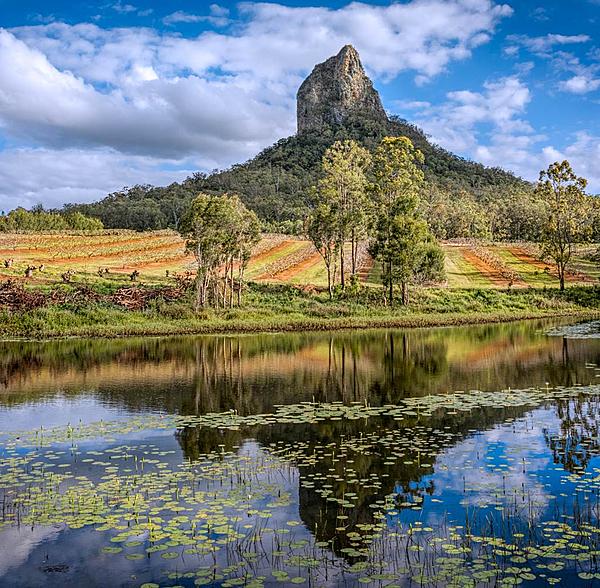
(400, 231)
(219, 230)
(344, 189)
(569, 213)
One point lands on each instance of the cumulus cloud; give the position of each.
(583, 152)
(455, 124)
(123, 8)
(583, 77)
(218, 97)
(52, 177)
(580, 84)
(489, 126)
(145, 115)
(218, 17)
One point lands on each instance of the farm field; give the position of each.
(276, 259)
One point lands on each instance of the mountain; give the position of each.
(336, 101)
(335, 91)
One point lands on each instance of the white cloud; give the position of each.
(542, 45)
(180, 16)
(580, 84)
(146, 115)
(123, 8)
(52, 177)
(218, 17)
(489, 127)
(583, 78)
(455, 124)
(583, 154)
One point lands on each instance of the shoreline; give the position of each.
(287, 325)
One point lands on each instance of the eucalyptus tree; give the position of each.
(568, 217)
(400, 232)
(344, 188)
(219, 231)
(322, 229)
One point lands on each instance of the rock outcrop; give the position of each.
(336, 90)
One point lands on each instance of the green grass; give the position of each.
(531, 274)
(285, 308)
(462, 274)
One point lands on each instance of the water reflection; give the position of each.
(441, 469)
(251, 374)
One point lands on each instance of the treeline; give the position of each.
(39, 220)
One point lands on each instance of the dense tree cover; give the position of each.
(38, 220)
(141, 207)
(277, 183)
(515, 213)
(220, 232)
(568, 214)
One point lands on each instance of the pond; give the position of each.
(438, 457)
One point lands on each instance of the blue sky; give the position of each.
(98, 95)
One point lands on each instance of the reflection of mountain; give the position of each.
(333, 442)
(252, 373)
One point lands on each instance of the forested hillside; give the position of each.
(277, 183)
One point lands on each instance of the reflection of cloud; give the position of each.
(470, 470)
(16, 544)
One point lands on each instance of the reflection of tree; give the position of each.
(578, 438)
(252, 373)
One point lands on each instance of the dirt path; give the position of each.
(488, 271)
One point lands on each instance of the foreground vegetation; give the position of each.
(270, 307)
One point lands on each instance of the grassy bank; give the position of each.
(284, 308)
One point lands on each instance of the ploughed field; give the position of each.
(159, 255)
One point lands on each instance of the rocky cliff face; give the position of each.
(336, 90)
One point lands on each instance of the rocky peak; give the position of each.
(335, 90)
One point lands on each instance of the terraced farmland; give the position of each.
(276, 259)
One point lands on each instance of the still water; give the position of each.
(460, 456)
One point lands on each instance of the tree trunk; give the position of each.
(199, 292)
(561, 275)
(353, 238)
(240, 282)
(329, 282)
(232, 292)
(342, 277)
(404, 293)
(391, 286)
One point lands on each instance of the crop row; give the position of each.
(289, 261)
(268, 242)
(495, 262)
(42, 242)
